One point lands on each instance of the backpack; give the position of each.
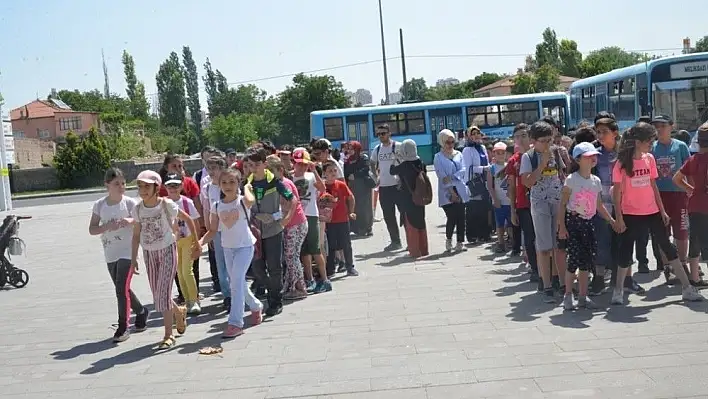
(422, 190)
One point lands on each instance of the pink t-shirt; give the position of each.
(299, 216)
(637, 191)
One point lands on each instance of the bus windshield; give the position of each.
(685, 100)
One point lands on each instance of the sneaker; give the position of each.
(691, 294)
(448, 245)
(394, 246)
(141, 320)
(617, 297)
(597, 286)
(352, 272)
(310, 286)
(643, 268)
(323, 286)
(256, 317)
(295, 295)
(232, 331)
(460, 247)
(194, 308)
(700, 283)
(121, 335)
(533, 277)
(274, 310)
(586, 303)
(568, 303)
(549, 296)
(631, 285)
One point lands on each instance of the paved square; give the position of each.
(447, 327)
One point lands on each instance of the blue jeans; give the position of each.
(238, 261)
(221, 266)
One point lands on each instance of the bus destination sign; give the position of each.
(689, 70)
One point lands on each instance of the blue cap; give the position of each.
(584, 150)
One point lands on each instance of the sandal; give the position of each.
(167, 343)
(181, 319)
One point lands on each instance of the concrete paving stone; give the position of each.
(461, 326)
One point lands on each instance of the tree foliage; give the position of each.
(171, 94)
(135, 90)
(607, 59)
(191, 79)
(81, 162)
(233, 131)
(414, 90)
(701, 45)
(548, 51)
(305, 95)
(570, 58)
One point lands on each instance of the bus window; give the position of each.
(588, 103)
(513, 114)
(334, 129)
(402, 123)
(477, 116)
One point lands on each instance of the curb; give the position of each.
(62, 194)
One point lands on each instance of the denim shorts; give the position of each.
(503, 216)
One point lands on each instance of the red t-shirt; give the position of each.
(696, 169)
(340, 191)
(190, 188)
(512, 169)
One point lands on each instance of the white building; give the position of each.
(395, 98)
(360, 97)
(447, 82)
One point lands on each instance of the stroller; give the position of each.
(11, 245)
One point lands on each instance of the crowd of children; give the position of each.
(272, 214)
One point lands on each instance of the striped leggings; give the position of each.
(161, 267)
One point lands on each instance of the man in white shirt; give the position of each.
(322, 151)
(382, 158)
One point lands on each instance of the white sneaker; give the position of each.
(617, 297)
(448, 245)
(460, 247)
(691, 294)
(194, 308)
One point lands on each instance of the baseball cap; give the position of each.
(662, 119)
(149, 176)
(499, 146)
(300, 155)
(173, 179)
(229, 151)
(584, 150)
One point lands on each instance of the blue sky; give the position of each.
(45, 45)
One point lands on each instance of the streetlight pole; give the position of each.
(383, 54)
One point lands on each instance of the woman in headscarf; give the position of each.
(357, 174)
(408, 168)
(452, 192)
(478, 209)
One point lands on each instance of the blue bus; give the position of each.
(676, 86)
(495, 116)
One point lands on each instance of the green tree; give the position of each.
(414, 90)
(701, 45)
(81, 162)
(94, 101)
(234, 130)
(170, 90)
(608, 58)
(547, 79)
(571, 58)
(245, 99)
(305, 95)
(548, 51)
(524, 83)
(214, 84)
(134, 89)
(191, 79)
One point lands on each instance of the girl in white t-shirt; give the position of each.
(230, 218)
(155, 231)
(112, 221)
(185, 271)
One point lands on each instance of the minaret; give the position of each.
(106, 87)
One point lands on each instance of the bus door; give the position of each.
(557, 108)
(444, 118)
(358, 129)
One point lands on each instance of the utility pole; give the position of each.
(403, 65)
(383, 52)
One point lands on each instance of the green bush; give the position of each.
(123, 146)
(81, 162)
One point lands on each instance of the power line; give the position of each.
(429, 56)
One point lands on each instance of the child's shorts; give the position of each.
(503, 216)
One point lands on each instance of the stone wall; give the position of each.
(32, 153)
(41, 179)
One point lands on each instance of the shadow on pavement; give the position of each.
(131, 356)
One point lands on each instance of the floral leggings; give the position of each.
(292, 243)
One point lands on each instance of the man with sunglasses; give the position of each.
(382, 158)
(322, 152)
